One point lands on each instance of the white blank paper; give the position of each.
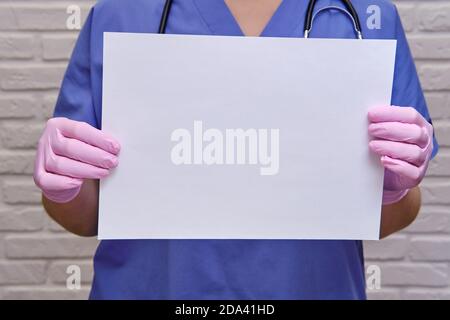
(315, 92)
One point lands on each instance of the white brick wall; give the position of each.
(415, 263)
(35, 252)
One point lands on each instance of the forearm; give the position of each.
(398, 216)
(79, 216)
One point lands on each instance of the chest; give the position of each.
(252, 16)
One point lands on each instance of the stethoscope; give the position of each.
(309, 19)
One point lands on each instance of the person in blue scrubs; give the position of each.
(225, 269)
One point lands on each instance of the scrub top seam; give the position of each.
(197, 10)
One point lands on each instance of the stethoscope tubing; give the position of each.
(165, 17)
(309, 18)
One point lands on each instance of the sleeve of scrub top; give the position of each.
(407, 91)
(75, 99)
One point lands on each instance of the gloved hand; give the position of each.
(68, 152)
(404, 140)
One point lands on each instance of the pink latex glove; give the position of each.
(68, 152)
(404, 140)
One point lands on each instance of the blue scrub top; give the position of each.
(224, 269)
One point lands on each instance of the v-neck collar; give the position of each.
(220, 21)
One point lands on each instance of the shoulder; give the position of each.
(386, 8)
(126, 15)
(112, 5)
(379, 18)
(387, 5)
